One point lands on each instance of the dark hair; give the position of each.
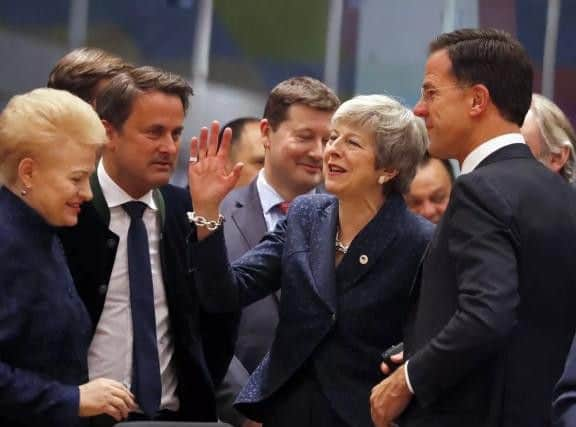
(445, 162)
(114, 104)
(237, 126)
(495, 59)
(80, 71)
(298, 90)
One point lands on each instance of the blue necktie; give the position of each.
(146, 384)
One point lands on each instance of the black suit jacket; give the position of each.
(203, 343)
(336, 321)
(244, 228)
(494, 317)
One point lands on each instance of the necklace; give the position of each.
(340, 247)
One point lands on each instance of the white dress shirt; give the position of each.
(269, 199)
(472, 160)
(110, 353)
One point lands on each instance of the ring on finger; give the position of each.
(193, 159)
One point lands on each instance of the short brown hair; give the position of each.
(485, 56)
(80, 71)
(298, 90)
(114, 104)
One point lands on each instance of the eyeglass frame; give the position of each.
(427, 94)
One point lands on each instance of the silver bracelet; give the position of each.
(200, 221)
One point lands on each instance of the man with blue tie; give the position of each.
(294, 128)
(128, 258)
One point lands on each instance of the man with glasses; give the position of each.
(493, 317)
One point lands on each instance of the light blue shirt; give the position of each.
(269, 199)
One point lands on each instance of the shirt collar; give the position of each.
(475, 157)
(115, 195)
(269, 197)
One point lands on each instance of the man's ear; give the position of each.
(111, 133)
(479, 100)
(558, 160)
(265, 130)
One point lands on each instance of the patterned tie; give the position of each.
(146, 384)
(283, 207)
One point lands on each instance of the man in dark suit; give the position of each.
(146, 316)
(492, 318)
(294, 129)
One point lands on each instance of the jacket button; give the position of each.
(111, 243)
(333, 317)
(363, 259)
(102, 289)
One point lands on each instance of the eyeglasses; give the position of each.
(428, 94)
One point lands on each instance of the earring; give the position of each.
(23, 192)
(382, 179)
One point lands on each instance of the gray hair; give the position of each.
(43, 120)
(556, 131)
(400, 136)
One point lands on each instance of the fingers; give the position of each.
(202, 144)
(224, 147)
(384, 368)
(194, 149)
(213, 138)
(398, 358)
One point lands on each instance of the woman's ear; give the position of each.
(556, 161)
(26, 170)
(387, 175)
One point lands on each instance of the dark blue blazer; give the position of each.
(44, 328)
(493, 314)
(336, 320)
(203, 342)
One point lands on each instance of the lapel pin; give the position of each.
(363, 259)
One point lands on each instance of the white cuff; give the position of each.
(408, 377)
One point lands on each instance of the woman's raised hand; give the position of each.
(209, 175)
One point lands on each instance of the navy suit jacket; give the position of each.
(44, 328)
(203, 342)
(244, 229)
(493, 313)
(337, 320)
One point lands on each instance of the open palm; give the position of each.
(209, 177)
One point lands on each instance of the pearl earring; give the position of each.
(381, 179)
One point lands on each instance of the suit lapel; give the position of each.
(322, 254)
(248, 216)
(371, 243)
(98, 200)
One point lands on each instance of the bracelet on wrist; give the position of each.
(200, 221)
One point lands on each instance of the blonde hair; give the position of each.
(41, 120)
(400, 136)
(556, 131)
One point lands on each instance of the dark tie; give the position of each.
(146, 384)
(283, 207)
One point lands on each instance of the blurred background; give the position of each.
(235, 51)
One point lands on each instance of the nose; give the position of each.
(420, 109)
(428, 210)
(169, 144)
(85, 191)
(317, 150)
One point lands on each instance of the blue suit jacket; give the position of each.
(339, 320)
(564, 406)
(44, 328)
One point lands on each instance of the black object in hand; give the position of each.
(387, 356)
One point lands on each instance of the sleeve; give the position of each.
(25, 396)
(235, 379)
(482, 245)
(223, 287)
(564, 398)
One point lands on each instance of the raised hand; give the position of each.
(209, 177)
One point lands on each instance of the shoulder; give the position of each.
(312, 201)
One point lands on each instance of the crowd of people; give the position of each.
(308, 243)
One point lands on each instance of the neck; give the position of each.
(286, 190)
(116, 175)
(486, 133)
(355, 213)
